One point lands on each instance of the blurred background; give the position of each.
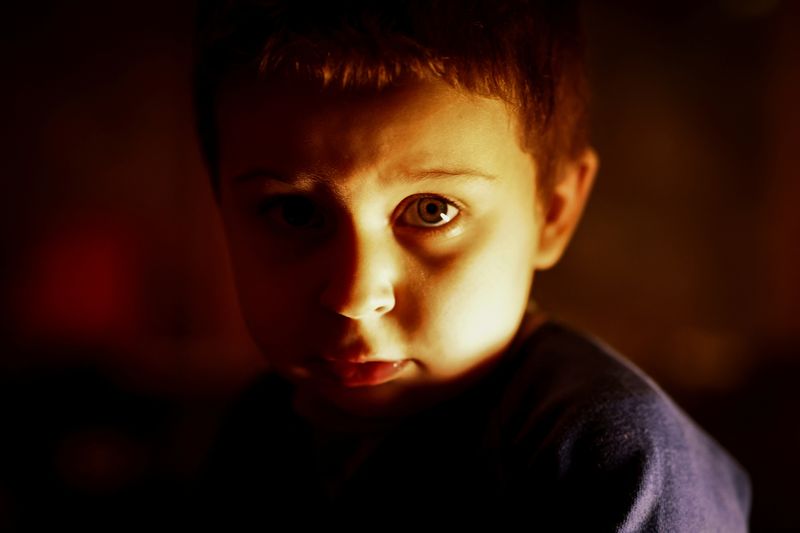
(121, 338)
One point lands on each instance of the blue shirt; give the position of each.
(562, 435)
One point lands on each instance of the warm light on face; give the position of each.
(394, 228)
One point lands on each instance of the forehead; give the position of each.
(296, 125)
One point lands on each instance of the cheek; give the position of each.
(273, 297)
(474, 303)
(484, 290)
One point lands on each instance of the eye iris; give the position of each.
(430, 210)
(297, 211)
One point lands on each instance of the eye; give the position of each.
(292, 211)
(429, 212)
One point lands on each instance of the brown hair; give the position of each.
(529, 53)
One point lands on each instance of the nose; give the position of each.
(360, 280)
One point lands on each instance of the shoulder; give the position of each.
(259, 457)
(589, 431)
(254, 427)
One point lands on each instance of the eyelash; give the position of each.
(277, 200)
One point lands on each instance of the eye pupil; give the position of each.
(430, 210)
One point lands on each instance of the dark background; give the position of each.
(121, 341)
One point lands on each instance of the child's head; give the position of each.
(390, 174)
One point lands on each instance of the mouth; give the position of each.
(364, 374)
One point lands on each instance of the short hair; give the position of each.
(529, 53)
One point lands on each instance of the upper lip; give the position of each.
(353, 353)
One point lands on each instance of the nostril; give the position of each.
(385, 307)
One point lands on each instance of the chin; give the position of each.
(379, 401)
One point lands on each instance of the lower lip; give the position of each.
(362, 374)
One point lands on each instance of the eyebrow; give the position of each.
(417, 175)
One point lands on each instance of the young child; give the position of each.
(390, 176)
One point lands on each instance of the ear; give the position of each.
(563, 213)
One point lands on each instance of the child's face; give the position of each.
(395, 227)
